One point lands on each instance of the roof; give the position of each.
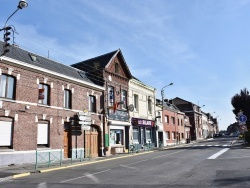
(24, 56)
(101, 62)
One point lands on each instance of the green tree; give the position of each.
(241, 102)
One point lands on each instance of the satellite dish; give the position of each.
(131, 107)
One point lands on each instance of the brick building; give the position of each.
(40, 101)
(111, 72)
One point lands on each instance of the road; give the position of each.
(205, 164)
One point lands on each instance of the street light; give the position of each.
(22, 4)
(162, 97)
(162, 92)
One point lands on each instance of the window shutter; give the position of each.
(5, 133)
(42, 134)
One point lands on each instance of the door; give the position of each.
(66, 144)
(91, 144)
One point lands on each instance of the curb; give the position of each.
(69, 166)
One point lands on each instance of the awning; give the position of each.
(119, 123)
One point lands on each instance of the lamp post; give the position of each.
(22, 4)
(162, 93)
(162, 97)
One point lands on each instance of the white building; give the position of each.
(143, 129)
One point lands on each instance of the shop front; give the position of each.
(144, 132)
(118, 131)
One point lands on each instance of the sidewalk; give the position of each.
(16, 171)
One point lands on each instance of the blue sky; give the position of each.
(200, 46)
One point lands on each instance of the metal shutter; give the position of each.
(42, 133)
(5, 133)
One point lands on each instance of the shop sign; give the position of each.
(142, 122)
(119, 115)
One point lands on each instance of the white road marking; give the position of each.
(126, 166)
(88, 175)
(214, 156)
(42, 185)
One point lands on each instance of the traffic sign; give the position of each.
(85, 127)
(242, 118)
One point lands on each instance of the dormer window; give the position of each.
(116, 68)
(33, 57)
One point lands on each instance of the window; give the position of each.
(149, 106)
(67, 99)
(124, 99)
(148, 135)
(5, 134)
(116, 137)
(173, 136)
(172, 120)
(92, 103)
(111, 96)
(167, 135)
(159, 114)
(117, 68)
(43, 96)
(7, 86)
(136, 103)
(43, 134)
(135, 135)
(178, 121)
(166, 119)
(181, 122)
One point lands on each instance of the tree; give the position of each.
(241, 102)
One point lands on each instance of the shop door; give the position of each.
(91, 144)
(66, 144)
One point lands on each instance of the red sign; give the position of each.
(41, 94)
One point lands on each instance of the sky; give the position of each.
(201, 46)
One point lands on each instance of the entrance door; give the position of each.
(91, 144)
(66, 144)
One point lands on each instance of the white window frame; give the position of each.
(92, 103)
(136, 102)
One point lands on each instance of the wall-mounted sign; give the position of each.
(142, 122)
(119, 115)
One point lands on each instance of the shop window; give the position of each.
(136, 102)
(67, 99)
(116, 137)
(42, 135)
(7, 86)
(44, 94)
(92, 103)
(135, 135)
(148, 135)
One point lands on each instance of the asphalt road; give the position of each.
(211, 163)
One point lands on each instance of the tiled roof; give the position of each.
(100, 61)
(45, 63)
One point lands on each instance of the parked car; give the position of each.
(216, 135)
